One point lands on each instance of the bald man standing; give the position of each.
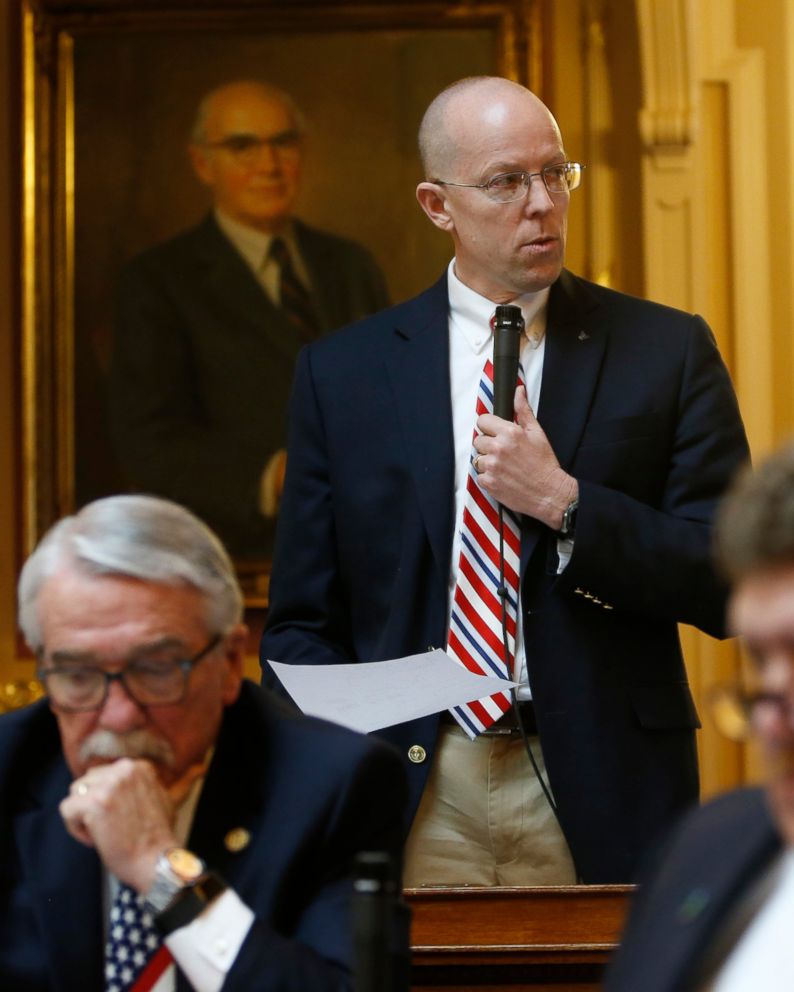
(626, 432)
(210, 323)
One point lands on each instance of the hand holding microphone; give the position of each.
(516, 464)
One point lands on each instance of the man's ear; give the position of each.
(235, 645)
(202, 164)
(432, 200)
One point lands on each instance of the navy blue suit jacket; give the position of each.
(312, 795)
(701, 873)
(638, 405)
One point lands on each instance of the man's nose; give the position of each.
(120, 712)
(778, 673)
(776, 723)
(267, 158)
(538, 200)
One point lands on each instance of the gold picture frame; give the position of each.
(84, 59)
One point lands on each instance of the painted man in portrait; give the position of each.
(210, 323)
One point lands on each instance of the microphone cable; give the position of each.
(502, 593)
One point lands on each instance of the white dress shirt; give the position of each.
(470, 344)
(763, 958)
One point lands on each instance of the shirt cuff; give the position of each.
(564, 552)
(206, 948)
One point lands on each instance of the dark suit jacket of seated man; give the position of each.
(713, 911)
(637, 418)
(285, 804)
(204, 349)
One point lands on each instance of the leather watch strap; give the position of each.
(189, 903)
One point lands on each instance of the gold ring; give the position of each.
(477, 463)
(81, 788)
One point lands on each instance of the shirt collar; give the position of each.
(470, 312)
(253, 245)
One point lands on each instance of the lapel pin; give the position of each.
(237, 840)
(693, 905)
(583, 335)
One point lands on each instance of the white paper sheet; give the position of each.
(372, 695)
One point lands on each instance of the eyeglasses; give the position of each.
(245, 149)
(78, 688)
(510, 186)
(736, 710)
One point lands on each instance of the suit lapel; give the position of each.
(575, 346)
(247, 304)
(66, 890)
(417, 368)
(234, 795)
(324, 271)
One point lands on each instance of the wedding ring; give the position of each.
(477, 463)
(81, 788)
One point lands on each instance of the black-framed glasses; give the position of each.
(508, 186)
(736, 710)
(149, 682)
(246, 148)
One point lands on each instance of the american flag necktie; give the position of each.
(296, 301)
(136, 960)
(475, 631)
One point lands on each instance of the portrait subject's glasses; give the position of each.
(736, 710)
(508, 186)
(148, 681)
(246, 148)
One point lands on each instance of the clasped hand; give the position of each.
(123, 810)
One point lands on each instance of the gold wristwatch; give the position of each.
(181, 889)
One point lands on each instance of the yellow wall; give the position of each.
(716, 121)
(768, 28)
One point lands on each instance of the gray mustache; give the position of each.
(108, 746)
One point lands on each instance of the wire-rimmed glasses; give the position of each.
(507, 186)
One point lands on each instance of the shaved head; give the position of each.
(477, 129)
(443, 133)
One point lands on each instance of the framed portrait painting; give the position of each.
(111, 91)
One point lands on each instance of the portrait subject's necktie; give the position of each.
(296, 301)
(136, 960)
(475, 631)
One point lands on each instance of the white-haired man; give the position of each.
(164, 822)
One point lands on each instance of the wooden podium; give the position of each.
(540, 939)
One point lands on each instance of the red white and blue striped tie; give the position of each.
(475, 631)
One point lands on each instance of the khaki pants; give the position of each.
(483, 818)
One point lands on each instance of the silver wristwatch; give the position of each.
(568, 525)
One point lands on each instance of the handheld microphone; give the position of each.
(507, 330)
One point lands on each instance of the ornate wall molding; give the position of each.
(667, 118)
